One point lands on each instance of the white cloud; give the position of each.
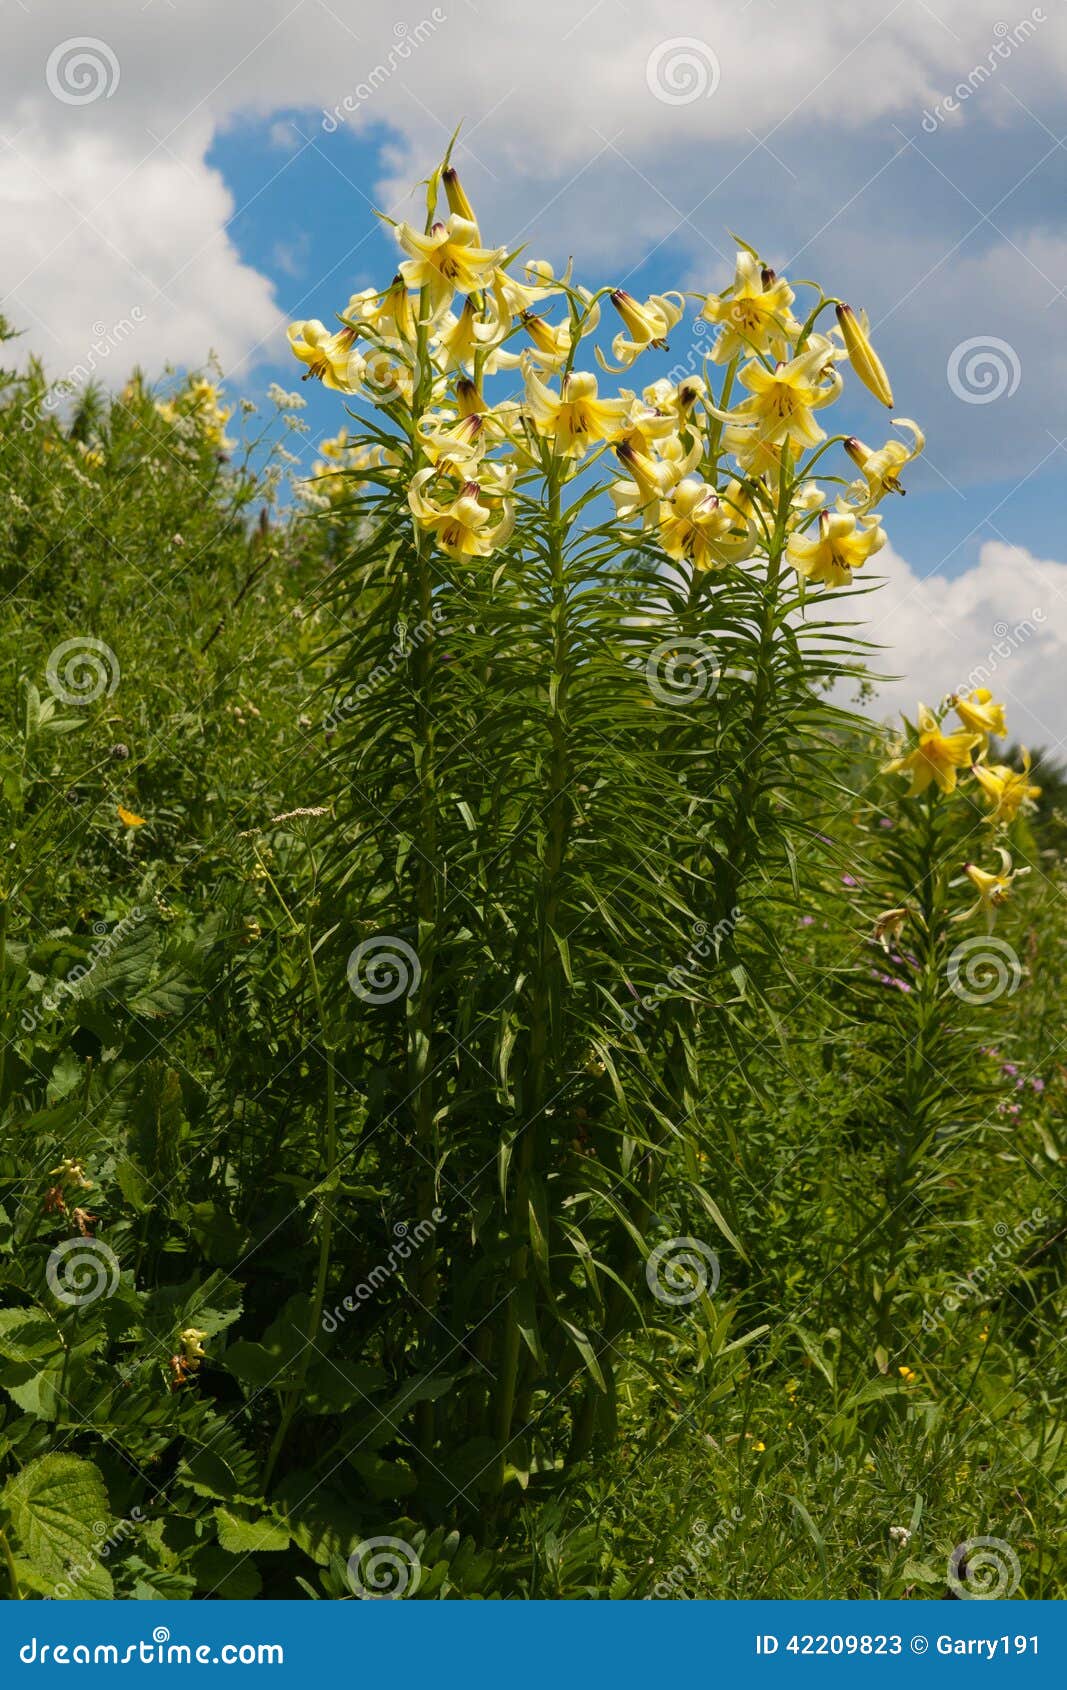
(101, 239)
(1002, 624)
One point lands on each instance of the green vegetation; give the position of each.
(450, 1091)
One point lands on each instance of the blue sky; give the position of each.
(217, 201)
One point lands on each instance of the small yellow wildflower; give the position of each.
(129, 818)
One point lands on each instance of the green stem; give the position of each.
(420, 1010)
(546, 972)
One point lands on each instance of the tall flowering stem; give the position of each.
(549, 800)
(935, 979)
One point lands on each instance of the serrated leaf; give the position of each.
(57, 1504)
(245, 1535)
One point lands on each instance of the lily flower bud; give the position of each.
(457, 199)
(864, 359)
(469, 401)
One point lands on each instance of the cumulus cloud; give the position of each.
(1001, 624)
(614, 121)
(110, 261)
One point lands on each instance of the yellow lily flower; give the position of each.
(388, 315)
(575, 419)
(993, 890)
(856, 333)
(550, 342)
(753, 314)
(448, 260)
(650, 481)
(843, 544)
(698, 527)
(881, 469)
(757, 456)
(678, 401)
(978, 711)
(784, 399)
(463, 528)
(330, 355)
(1007, 790)
(936, 757)
(647, 325)
(460, 339)
(455, 440)
(513, 297)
